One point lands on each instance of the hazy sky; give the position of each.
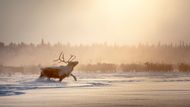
(95, 21)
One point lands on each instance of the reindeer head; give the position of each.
(69, 62)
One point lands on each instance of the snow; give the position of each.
(97, 89)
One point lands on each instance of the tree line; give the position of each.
(43, 53)
(105, 68)
(146, 67)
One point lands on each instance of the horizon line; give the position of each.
(45, 42)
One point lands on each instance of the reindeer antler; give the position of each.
(72, 57)
(62, 59)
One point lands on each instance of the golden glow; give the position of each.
(124, 21)
(132, 21)
(95, 21)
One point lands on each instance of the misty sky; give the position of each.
(95, 21)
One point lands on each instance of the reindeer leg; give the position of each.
(60, 79)
(41, 75)
(74, 77)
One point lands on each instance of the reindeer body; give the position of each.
(59, 71)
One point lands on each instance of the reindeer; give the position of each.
(60, 71)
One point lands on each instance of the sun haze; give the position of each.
(95, 21)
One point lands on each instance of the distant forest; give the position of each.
(43, 54)
(104, 68)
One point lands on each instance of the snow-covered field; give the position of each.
(97, 90)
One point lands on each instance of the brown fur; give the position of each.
(52, 73)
